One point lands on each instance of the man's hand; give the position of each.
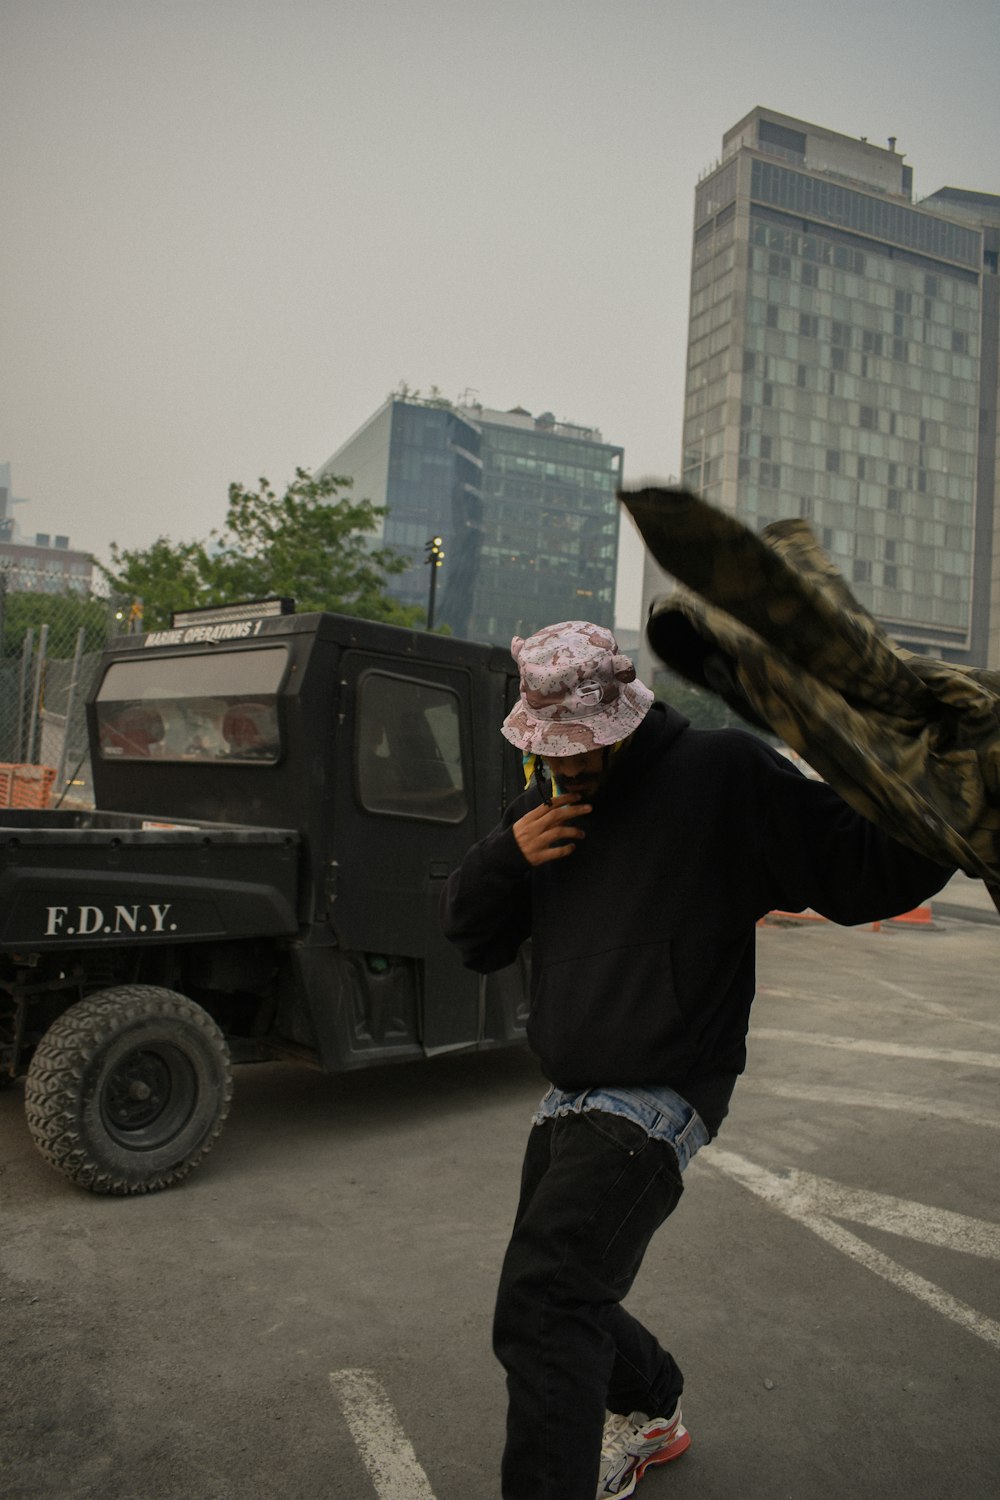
(547, 832)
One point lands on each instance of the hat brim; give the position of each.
(537, 736)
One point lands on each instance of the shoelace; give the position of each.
(617, 1429)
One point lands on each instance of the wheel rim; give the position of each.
(148, 1097)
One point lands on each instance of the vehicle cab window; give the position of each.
(222, 706)
(408, 758)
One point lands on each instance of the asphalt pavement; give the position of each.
(308, 1316)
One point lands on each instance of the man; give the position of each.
(638, 860)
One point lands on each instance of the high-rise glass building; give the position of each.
(525, 506)
(421, 461)
(842, 366)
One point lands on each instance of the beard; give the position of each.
(582, 786)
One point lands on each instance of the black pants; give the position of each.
(594, 1189)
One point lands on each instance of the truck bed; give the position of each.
(70, 876)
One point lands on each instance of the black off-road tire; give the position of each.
(128, 1089)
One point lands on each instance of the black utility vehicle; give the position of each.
(280, 798)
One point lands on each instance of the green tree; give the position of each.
(64, 614)
(165, 576)
(311, 543)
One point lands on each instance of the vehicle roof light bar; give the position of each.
(223, 614)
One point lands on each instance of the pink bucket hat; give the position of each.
(578, 691)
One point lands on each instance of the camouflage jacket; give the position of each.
(768, 623)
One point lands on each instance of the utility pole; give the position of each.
(434, 559)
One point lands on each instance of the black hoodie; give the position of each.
(643, 938)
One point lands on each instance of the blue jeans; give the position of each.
(594, 1189)
(661, 1112)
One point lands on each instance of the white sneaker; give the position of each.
(633, 1444)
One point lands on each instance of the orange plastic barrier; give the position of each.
(920, 916)
(26, 786)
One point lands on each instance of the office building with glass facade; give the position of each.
(525, 507)
(842, 367)
(420, 460)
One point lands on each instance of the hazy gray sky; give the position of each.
(231, 227)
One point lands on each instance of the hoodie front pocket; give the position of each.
(600, 1016)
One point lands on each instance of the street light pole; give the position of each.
(435, 557)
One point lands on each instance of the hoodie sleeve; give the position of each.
(822, 854)
(486, 905)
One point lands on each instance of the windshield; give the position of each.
(218, 706)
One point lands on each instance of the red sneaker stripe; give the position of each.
(663, 1455)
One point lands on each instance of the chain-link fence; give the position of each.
(50, 647)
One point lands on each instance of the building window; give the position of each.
(833, 460)
(808, 325)
(868, 418)
(846, 259)
(769, 133)
(862, 570)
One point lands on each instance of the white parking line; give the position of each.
(813, 1202)
(866, 1099)
(802, 1194)
(881, 1049)
(916, 1004)
(384, 1447)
